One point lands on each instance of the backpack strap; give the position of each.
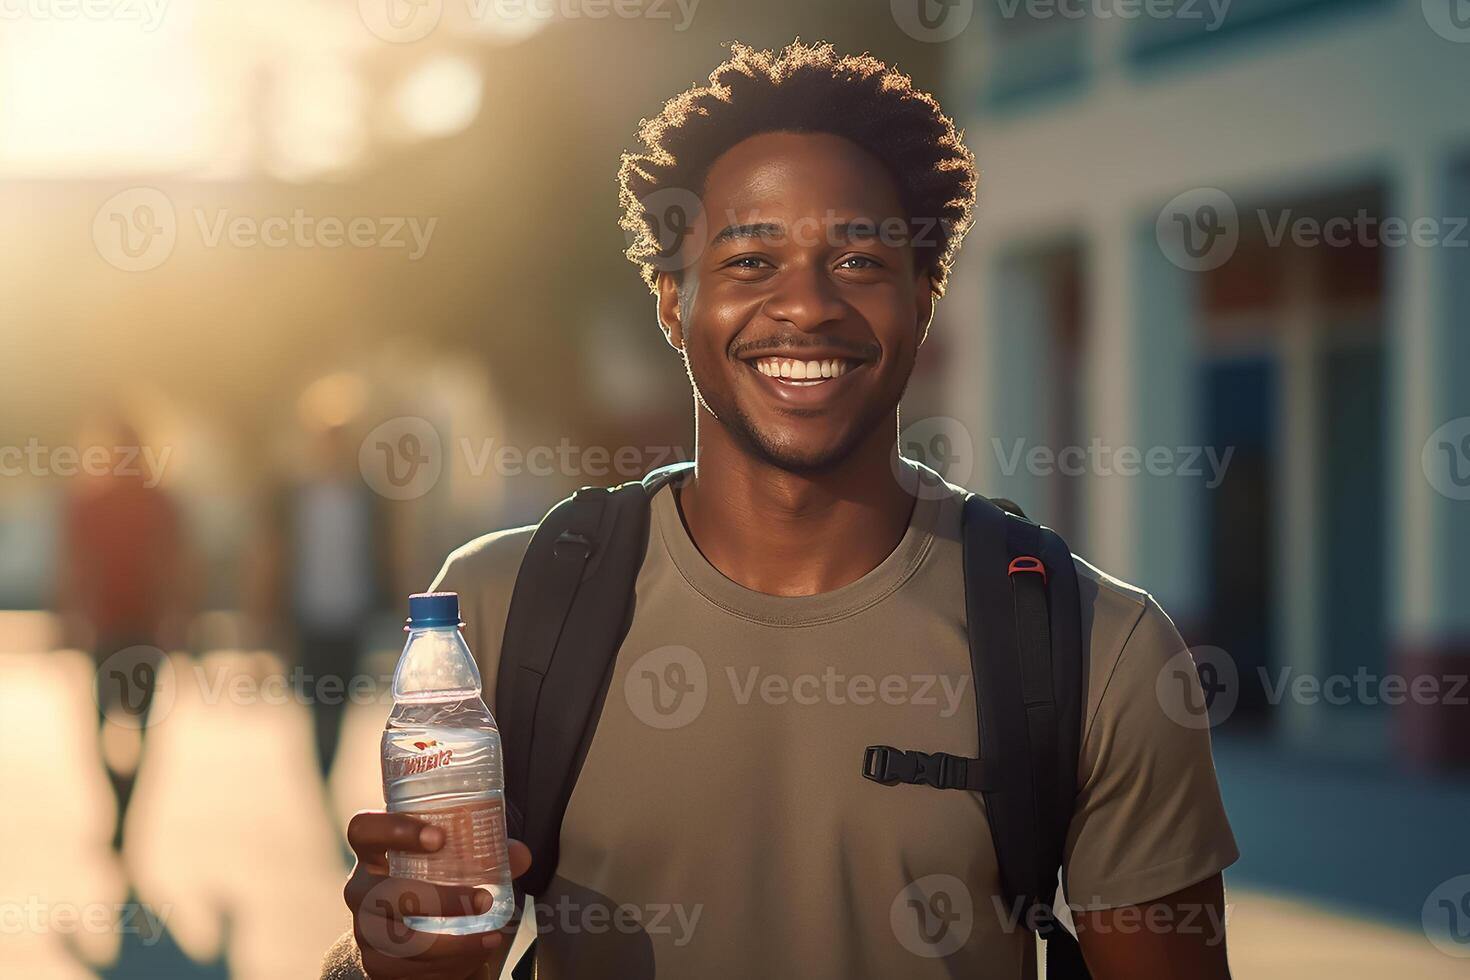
(569, 611)
(1024, 613)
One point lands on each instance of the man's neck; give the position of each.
(792, 534)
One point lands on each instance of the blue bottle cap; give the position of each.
(430, 610)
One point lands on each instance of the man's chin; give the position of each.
(803, 455)
(805, 464)
(805, 446)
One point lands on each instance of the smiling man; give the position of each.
(800, 595)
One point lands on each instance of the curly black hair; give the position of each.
(806, 88)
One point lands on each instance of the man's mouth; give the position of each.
(804, 374)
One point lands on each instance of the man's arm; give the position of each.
(483, 574)
(1149, 820)
(1179, 935)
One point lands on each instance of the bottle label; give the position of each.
(427, 756)
(474, 851)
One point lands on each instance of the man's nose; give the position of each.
(805, 298)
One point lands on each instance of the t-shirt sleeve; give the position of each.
(483, 572)
(1149, 819)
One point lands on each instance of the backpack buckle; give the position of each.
(877, 764)
(1027, 563)
(942, 770)
(889, 766)
(930, 768)
(570, 544)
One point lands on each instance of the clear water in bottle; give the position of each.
(442, 764)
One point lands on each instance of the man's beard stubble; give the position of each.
(825, 460)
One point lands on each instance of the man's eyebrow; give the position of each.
(731, 232)
(856, 228)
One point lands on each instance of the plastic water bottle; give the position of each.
(442, 764)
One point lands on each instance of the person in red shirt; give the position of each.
(122, 593)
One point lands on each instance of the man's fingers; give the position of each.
(391, 944)
(396, 898)
(371, 833)
(391, 949)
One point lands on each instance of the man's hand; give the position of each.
(1181, 935)
(390, 950)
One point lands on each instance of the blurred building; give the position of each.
(1245, 234)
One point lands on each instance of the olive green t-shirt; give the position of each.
(721, 826)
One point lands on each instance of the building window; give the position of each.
(1293, 376)
(1203, 24)
(1035, 50)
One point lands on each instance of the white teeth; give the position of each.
(795, 370)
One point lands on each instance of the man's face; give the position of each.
(800, 310)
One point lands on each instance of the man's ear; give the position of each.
(670, 315)
(924, 296)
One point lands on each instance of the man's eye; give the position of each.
(748, 262)
(859, 262)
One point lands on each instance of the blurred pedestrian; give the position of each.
(123, 589)
(327, 572)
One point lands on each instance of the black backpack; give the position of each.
(573, 604)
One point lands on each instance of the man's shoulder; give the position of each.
(484, 561)
(1110, 606)
(493, 554)
(483, 571)
(1129, 636)
(1109, 596)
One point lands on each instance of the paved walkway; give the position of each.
(1365, 840)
